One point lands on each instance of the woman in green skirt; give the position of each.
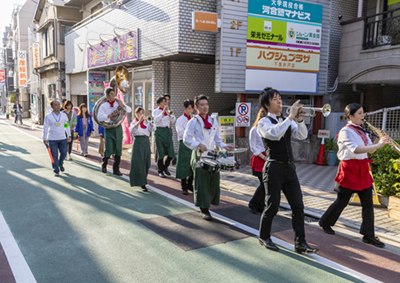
(140, 159)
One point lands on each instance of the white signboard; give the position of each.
(324, 134)
(242, 116)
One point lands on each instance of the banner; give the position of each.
(96, 88)
(2, 77)
(283, 46)
(22, 72)
(127, 137)
(116, 50)
(35, 55)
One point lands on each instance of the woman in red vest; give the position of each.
(354, 174)
(258, 159)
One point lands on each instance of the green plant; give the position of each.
(386, 171)
(13, 97)
(331, 145)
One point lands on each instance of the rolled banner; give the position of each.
(51, 156)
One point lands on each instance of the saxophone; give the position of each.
(380, 133)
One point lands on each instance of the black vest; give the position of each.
(279, 150)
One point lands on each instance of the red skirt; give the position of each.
(354, 174)
(256, 163)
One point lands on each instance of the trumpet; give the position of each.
(326, 110)
(149, 119)
(380, 133)
(171, 113)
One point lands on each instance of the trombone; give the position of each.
(326, 110)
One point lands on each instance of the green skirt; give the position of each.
(164, 143)
(183, 169)
(140, 161)
(113, 138)
(206, 189)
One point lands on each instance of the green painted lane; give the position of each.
(83, 227)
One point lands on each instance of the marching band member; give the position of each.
(202, 134)
(279, 173)
(164, 144)
(257, 202)
(55, 126)
(113, 137)
(167, 102)
(354, 174)
(183, 169)
(141, 155)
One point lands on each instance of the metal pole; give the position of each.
(384, 119)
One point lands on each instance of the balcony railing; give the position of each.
(382, 29)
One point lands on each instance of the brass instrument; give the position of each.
(380, 133)
(326, 110)
(120, 81)
(149, 119)
(171, 113)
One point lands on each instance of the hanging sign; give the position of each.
(205, 21)
(113, 51)
(35, 53)
(2, 77)
(22, 72)
(242, 116)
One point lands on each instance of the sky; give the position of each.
(6, 12)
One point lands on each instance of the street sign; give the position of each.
(324, 134)
(242, 116)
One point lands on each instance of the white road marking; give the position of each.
(15, 257)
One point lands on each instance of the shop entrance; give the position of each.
(142, 90)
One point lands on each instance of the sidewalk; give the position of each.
(317, 184)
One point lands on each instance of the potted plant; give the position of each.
(386, 173)
(331, 147)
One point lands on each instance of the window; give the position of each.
(96, 8)
(63, 30)
(47, 42)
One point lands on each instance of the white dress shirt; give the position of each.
(348, 141)
(161, 120)
(141, 132)
(181, 126)
(193, 135)
(256, 143)
(53, 127)
(106, 109)
(275, 132)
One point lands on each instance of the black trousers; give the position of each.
(187, 182)
(332, 214)
(279, 177)
(71, 143)
(161, 166)
(258, 199)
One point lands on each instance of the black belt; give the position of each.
(281, 162)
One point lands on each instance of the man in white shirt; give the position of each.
(183, 170)
(164, 144)
(113, 137)
(55, 130)
(201, 135)
(279, 173)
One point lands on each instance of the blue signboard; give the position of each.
(96, 88)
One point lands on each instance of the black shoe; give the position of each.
(62, 169)
(205, 214)
(144, 189)
(305, 248)
(268, 244)
(374, 241)
(161, 174)
(118, 173)
(166, 171)
(184, 192)
(327, 229)
(56, 174)
(173, 161)
(104, 169)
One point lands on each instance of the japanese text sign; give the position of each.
(283, 45)
(116, 50)
(323, 134)
(35, 54)
(205, 21)
(242, 114)
(22, 68)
